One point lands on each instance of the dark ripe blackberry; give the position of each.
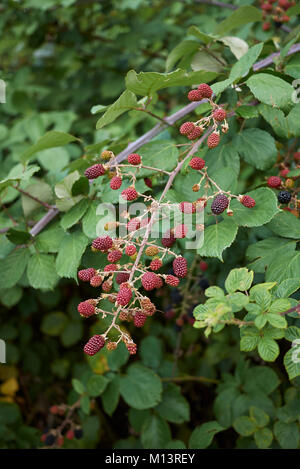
(219, 204)
(176, 296)
(177, 328)
(284, 197)
(50, 440)
(204, 283)
(78, 433)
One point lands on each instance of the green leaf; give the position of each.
(73, 216)
(151, 351)
(248, 343)
(244, 426)
(18, 236)
(277, 321)
(263, 252)
(13, 267)
(270, 89)
(276, 118)
(217, 238)
(161, 154)
(72, 333)
(261, 379)
(110, 396)
(53, 323)
(238, 46)
(263, 438)
(292, 333)
(96, 385)
(141, 388)
(293, 120)
(257, 147)
(148, 83)
(18, 173)
(260, 417)
(260, 321)
(50, 140)
(173, 407)
(155, 433)
(203, 37)
(81, 187)
(41, 271)
(242, 67)
(292, 362)
(268, 349)
(263, 211)
(70, 253)
(285, 224)
(85, 404)
(203, 435)
(124, 103)
(117, 358)
(182, 49)
(243, 15)
(202, 60)
(287, 434)
(284, 266)
(280, 305)
(239, 279)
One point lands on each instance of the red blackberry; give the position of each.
(186, 128)
(86, 309)
(124, 296)
(195, 95)
(219, 114)
(129, 194)
(86, 274)
(103, 243)
(96, 281)
(187, 207)
(122, 277)
(94, 171)
(149, 281)
(172, 280)
(114, 256)
(247, 201)
(274, 181)
(196, 133)
(130, 250)
(197, 163)
(139, 319)
(156, 264)
(131, 347)
(115, 183)
(205, 90)
(213, 140)
(133, 225)
(134, 159)
(168, 239)
(180, 267)
(180, 231)
(95, 344)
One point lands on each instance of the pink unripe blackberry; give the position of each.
(107, 286)
(196, 133)
(70, 435)
(103, 243)
(186, 128)
(122, 277)
(134, 159)
(168, 239)
(86, 274)
(187, 207)
(219, 114)
(195, 95)
(149, 281)
(274, 181)
(139, 319)
(197, 163)
(180, 231)
(203, 266)
(124, 296)
(159, 282)
(219, 204)
(130, 250)
(172, 280)
(95, 344)
(115, 183)
(296, 156)
(248, 201)
(266, 7)
(129, 194)
(114, 256)
(156, 264)
(110, 268)
(180, 267)
(266, 26)
(86, 309)
(133, 225)
(284, 172)
(94, 171)
(96, 281)
(132, 348)
(213, 140)
(205, 90)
